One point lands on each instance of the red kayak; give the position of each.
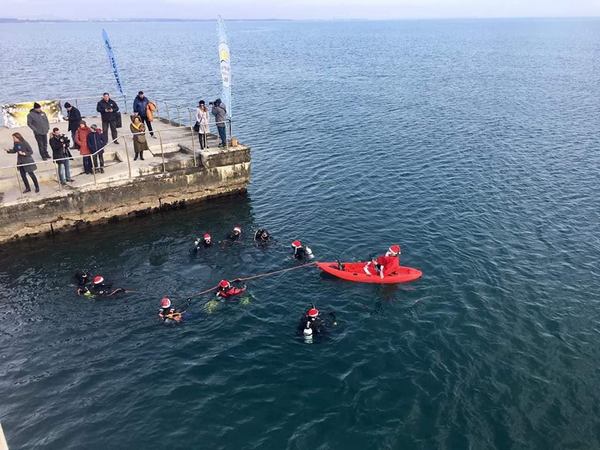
(353, 271)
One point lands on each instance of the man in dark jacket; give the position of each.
(38, 122)
(74, 118)
(108, 109)
(60, 147)
(96, 143)
(140, 107)
(220, 113)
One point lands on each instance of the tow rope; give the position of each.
(253, 277)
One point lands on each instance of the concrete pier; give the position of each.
(175, 172)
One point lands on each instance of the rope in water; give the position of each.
(253, 277)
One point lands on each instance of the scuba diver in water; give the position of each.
(262, 236)
(301, 252)
(205, 242)
(100, 289)
(82, 277)
(235, 234)
(227, 290)
(168, 314)
(312, 324)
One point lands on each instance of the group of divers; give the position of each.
(313, 323)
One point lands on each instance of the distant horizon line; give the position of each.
(166, 19)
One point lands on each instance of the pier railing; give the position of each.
(180, 142)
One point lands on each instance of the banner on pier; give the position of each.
(225, 62)
(112, 60)
(14, 115)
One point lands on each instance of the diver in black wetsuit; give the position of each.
(312, 325)
(302, 252)
(235, 234)
(262, 236)
(83, 278)
(205, 242)
(101, 289)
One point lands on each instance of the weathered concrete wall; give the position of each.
(225, 172)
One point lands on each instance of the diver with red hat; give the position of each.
(313, 325)
(205, 242)
(99, 288)
(167, 313)
(226, 289)
(301, 252)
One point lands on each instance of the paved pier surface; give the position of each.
(174, 171)
(116, 165)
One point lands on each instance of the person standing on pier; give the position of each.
(74, 117)
(60, 150)
(141, 107)
(38, 122)
(25, 161)
(139, 137)
(96, 143)
(81, 139)
(220, 113)
(202, 124)
(108, 110)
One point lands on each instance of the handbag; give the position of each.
(119, 120)
(197, 127)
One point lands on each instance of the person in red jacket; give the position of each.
(227, 290)
(390, 261)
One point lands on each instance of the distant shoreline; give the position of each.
(132, 20)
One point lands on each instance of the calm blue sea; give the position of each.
(474, 144)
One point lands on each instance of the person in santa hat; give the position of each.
(167, 313)
(390, 262)
(301, 252)
(312, 324)
(205, 241)
(235, 234)
(226, 289)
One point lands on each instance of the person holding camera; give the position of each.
(60, 153)
(220, 113)
(108, 110)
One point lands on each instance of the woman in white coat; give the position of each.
(202, 124)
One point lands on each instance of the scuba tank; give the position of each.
(308, 333)
(309, 253)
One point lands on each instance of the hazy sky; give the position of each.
(297, 9)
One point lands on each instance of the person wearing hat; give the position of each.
(96, 144)
(235, 234)
(206, 242)
(301, 252)
(390, 262)
(167, 313)
(226, 290)
(108, 110)
(74, 117)
(141, 104)
(38, 122)
(100, 288)
(312, 324)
